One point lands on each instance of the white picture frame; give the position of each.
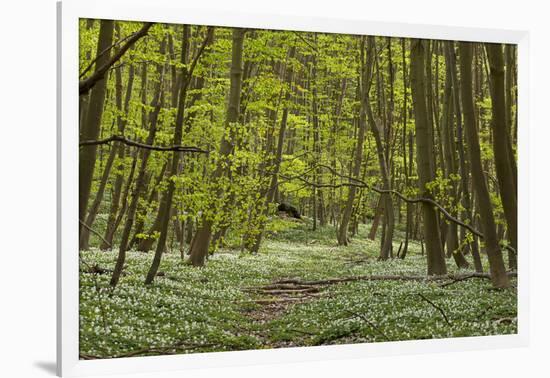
(173, 11)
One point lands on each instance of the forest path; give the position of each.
(273, 302)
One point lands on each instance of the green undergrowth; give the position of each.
(189, 310)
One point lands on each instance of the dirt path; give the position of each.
(273, 302)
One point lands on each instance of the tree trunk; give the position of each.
(377, 215)
(91, 127)
(496, 263)
(449, 148)
(467, 213)
(501, 141)
(201, 241)
(178, 134)
(140, 223)
(389, 219)
(366, 80)
(436, 261)
(317, 191)
(409, 207)
(156, 104)
(276, 164)
(115, 150)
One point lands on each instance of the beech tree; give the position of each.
(92, 124)
(425, 164)
(200, 141)
(504, 162)
(201, 241)
(494, 254)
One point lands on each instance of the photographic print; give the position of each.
(245, 189)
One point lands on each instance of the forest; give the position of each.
(254, 189)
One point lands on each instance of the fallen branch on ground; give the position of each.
(330, 281)
(438, 308)
(370, 323)
(278, 300)
(460, 278)
(307, 289)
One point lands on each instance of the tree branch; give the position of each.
(438, 308)
(94, 232)
(129, 142)
(86, 84)
(101, 54)
(361, 184)
(366, 320)
(398, 277)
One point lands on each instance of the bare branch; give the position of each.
(438, 308)
(366, 320)
(101, 54)
(129, 142)
(94, 232)
(86, 84)
(361, 184)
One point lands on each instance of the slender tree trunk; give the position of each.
(449, 149)
(494, 254)
(389, 219)
(462, 160)
(115, 150)
(436, 261)
(143, 243)
(376, 220)
(511, 121)
(316, 192)
(91, 127)
(156, 104)
(409, 207)
(366, 80)
(276, 164)
(178, 134)
(84, 99)
(501, 142)
(201, 241)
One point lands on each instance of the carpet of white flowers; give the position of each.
(189, 310)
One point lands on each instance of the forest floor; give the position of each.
(240, 301)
